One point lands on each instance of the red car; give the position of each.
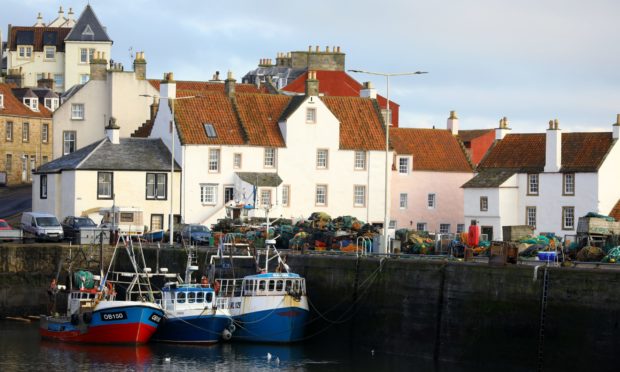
(5, 225)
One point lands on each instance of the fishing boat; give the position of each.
(191, 313)
(265, 306)
(153, 236)
(94, 314)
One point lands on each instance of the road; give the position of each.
(14, 200)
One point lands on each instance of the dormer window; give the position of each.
(88, 31)
(210, 130)
(33, 103)
(51, 103)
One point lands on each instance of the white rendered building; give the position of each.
(546, 180)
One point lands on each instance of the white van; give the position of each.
(43, 226)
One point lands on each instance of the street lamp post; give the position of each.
(388, 122)
(172, 127)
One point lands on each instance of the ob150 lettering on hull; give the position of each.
(118, 315)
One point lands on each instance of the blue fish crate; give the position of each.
(547, 256)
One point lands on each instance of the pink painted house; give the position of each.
(430, 165)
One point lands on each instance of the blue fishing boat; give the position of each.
(153, 236)
(267, 306)
(191, 312)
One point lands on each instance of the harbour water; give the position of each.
(21, 349)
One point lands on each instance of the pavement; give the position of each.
(14, 200)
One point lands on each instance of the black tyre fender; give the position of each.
(75, 319)
(87, 318)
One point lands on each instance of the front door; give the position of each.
(488, 230)
(25, 168)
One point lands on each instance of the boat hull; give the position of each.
(196, 329)
(278, 319)
(125, 324)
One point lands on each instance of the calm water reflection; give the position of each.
(22, 350)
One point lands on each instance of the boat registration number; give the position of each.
(119, 315)
(155, 318)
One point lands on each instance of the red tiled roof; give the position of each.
(361, 127)
(259, 115)
(205, 86)
(61, 33)
(15, 107)
(341, 84)
(212, 108)
(581, 152)
(615, 212)
(432, 149)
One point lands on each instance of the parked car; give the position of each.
(71, 225)
(5, 225)
(195, 233)
(43, 226)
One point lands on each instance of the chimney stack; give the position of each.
(368, 91)
(16, 77)
(229, 85)
(553, 147)
(39, 21)
(502, 130)
(139, 66)
(112, 131)
(312, 84)
(453, 123)
(46, 82)
(168, 87)
(98, 67)
(616, 128)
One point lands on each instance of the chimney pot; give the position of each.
(309, 48)
(616, 128)
(316, 49)
(327, 49)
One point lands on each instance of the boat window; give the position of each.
(279, 285)
(249, 286)
(296, 285)
(191, 297)
(288, 285)
(200, 297)
(261, 285)
(209, 297)
(271, 285)
(181, 297)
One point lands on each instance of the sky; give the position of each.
(528, 60)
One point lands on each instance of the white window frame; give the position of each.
(421, 226)
(403, 200)
(45, 128)
(156, 186)
(269, 157)
(9, 131)
(43, 186)
(460, 228)
(533, 184)
(59, 80)
(286, 195)
(208, 193)
(320, 195)
(359, 195)
(69, 144)
(51, 103)
(105, 188)
(568, 218)
(237, 160)
(265, 198)
(322, 159)
(32, 103)
(25, 132)
(568, 184)
(530, 216)
(484, 204)
(360, 160)
(86, 55)
(444, 228)
(311, 115)
(77, 111)
(1, 100)
(431, 200)
(214, 160)
(24, 51)
(47, 49)
(403, 165)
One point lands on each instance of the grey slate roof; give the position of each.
(131, 154)
(489, 178)
(260, 179)
(88, 22)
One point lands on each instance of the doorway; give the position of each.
(488, 231)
